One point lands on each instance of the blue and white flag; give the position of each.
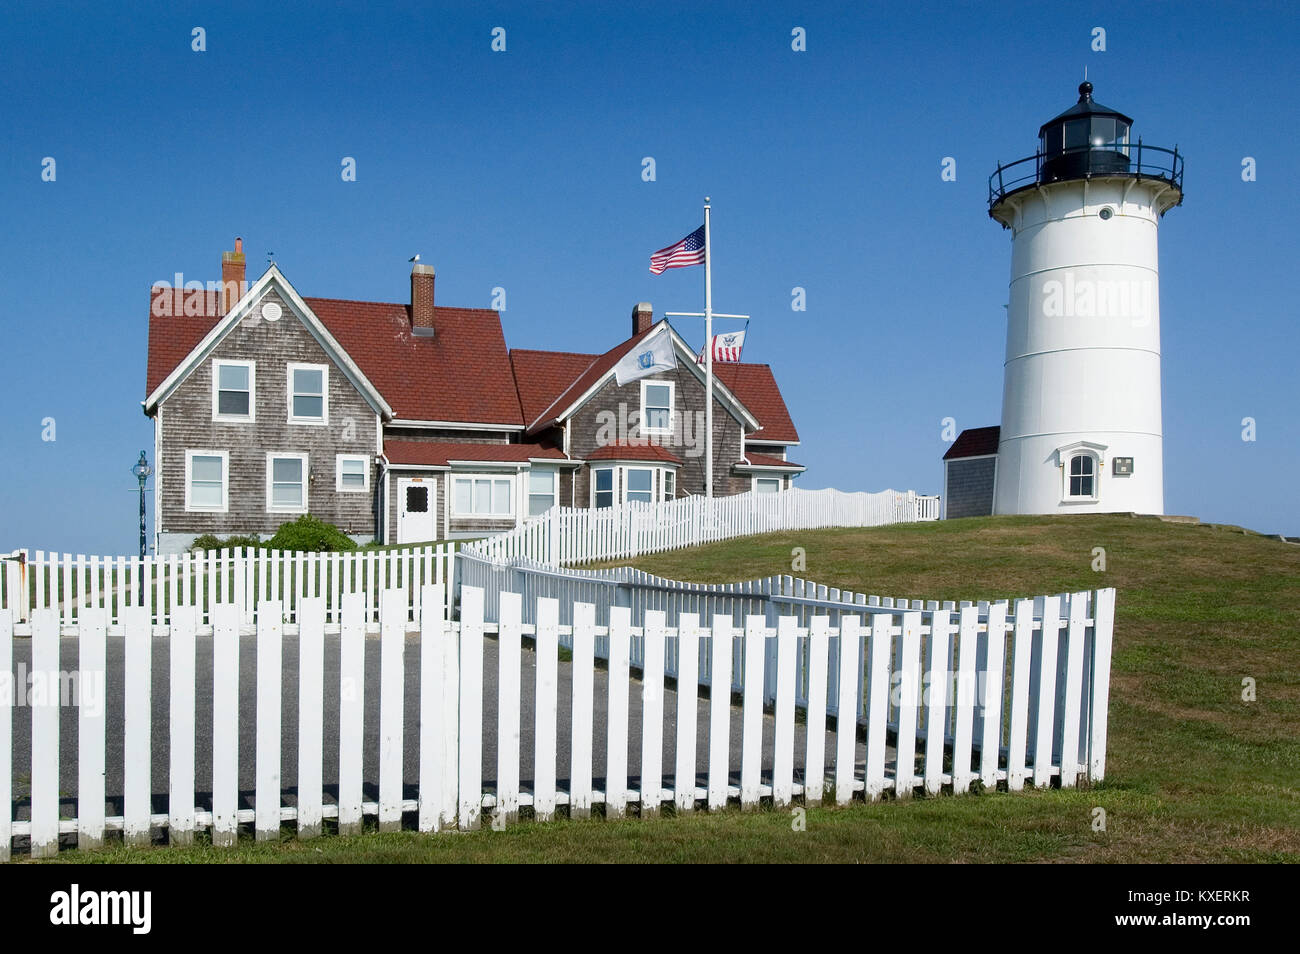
(652, 354)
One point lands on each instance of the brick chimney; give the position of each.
(643, 316)
(232, 277)
(422, 300)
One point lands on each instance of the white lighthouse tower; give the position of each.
(1081, 425)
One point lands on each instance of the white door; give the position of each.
(417, 509)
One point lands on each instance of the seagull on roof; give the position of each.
(414, 258)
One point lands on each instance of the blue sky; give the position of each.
(523, 169)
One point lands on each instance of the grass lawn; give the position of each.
(1194, 773)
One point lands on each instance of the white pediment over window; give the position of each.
(1064, 453)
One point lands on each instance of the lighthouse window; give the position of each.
(1083, 476)
(1103, 131)
(1076, 134)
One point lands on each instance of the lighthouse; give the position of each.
(1081, 420)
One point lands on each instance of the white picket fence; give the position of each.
(565, 536)
(72, 583)
(641, 592)
(1018, 697)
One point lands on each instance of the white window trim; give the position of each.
(456, 513)
(613, 485)
(657, 489)
(1066, 496)
(306, 481)
(1087, 449)
(672, 405)
(324, 419)
(528, 487)
(225, 480)
(251, 416)
(780, 482)
(338, 473)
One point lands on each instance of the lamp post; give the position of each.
(142, 470)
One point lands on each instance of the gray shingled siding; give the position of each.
(187, 425)
(688, 398)
(447, 436)
(970, 487)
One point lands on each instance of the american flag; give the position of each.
(726, 348)
(689, 251)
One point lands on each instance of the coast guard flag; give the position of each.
(726, 348)
(689, 251)
(654, 353)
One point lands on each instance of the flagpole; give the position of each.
(708, 360)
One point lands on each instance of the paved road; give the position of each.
(289, 716)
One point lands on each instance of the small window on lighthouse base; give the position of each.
(1080, 465)
(1083, 477)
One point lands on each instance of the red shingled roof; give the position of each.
(541, 376)
(653, 452)
(594, 372)
(767, 460)
(439, 453)
(755, 387)
(975, 442)
(173, 336)
(425, 378)
(422, 379)
(460, 374)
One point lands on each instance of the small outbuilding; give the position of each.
(970, 473)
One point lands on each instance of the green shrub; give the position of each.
(309, 533)
(210, 541)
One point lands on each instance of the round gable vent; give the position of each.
(271, 311)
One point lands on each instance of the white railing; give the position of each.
(1021, 697)
(72, 583)
(565, 536)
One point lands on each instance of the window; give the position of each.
(417, 499)
(286, 483)
(767, 485)
(604, 487)
(1083, 476)
(232, 391)
(352, 473)
(541, 491)
(483, 496)
(670, 485)
(308, 397)
(640, 484)
(205, 480)
(656, 407)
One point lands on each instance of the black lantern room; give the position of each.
(1086, 140)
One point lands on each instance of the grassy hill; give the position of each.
(1193, 772)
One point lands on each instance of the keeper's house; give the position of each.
(413, 422)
